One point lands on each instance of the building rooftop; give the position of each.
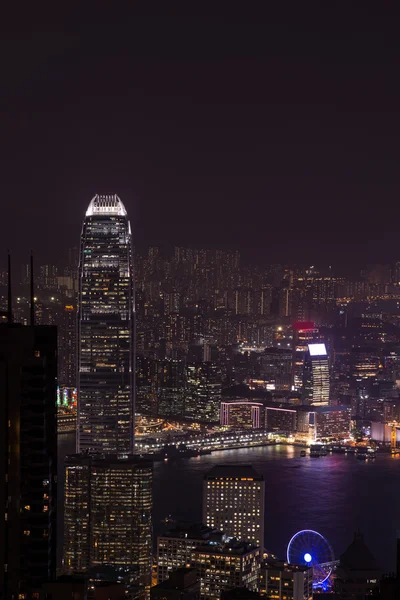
(106, 205)
(233, 472)
(179, 579)
(192, 531)
(282, 565)
(358, 556)
(233, 547)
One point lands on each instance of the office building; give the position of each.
(281, 581)
(107, 516)
(106, 330)
(28, 448)
(242, 413)
(183, 584)
(304, 333)
(175, 546)
(171, 388)
(276, 368)
(224, 566)
(364, 363)
(316, 384)
(233, 502)
(203, 392)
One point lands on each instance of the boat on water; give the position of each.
(317, 450)
(303, 453)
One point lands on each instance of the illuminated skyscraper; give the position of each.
(233, 502)
(316, 384)
(304, 333)
(106, 330)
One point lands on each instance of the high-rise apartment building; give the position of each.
(233, 502)
(107, 516)
(28, 466)
(106, 330)
(316, 384)
(222, 567)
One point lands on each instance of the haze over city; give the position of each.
(200, 302)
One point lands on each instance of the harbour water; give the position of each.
(335, 495)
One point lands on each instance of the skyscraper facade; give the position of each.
(106, 324)
(316, 384)
(233, 502)
(107, 517)
(28, 469)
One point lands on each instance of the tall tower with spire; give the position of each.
(106, 326)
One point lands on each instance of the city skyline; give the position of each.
(200, 302)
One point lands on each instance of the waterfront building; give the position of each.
(315, 423)
(316, 384)
(175, 546)
(183, 584)
(242, 414)
(282, 417)
(107, 516)
(106, 330)
(28, 448)
(233, 502)
(224, 566)
(282, 581)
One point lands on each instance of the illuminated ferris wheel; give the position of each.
(308, 547)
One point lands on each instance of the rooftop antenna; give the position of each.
(32, 294)
(9, 303)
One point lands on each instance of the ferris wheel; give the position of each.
(308, 547)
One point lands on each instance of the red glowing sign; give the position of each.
(303, 325)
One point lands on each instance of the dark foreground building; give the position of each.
(357, 575)
(183, 584)
(28, 451)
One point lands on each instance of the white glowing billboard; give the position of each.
(317, 349)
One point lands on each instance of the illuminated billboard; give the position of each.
(317, 349)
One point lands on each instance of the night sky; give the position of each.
(274, 132)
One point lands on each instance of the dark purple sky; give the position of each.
(274, 132)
